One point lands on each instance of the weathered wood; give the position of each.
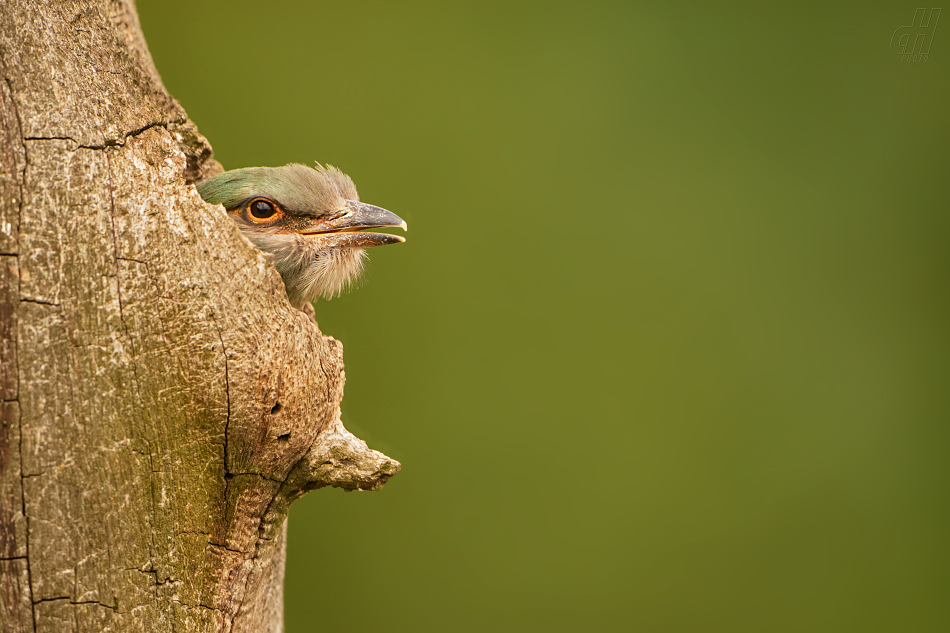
(162, 402)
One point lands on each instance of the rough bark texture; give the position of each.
(162, 403)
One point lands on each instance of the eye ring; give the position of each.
(262, 211)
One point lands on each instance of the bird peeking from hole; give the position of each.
(310, 220)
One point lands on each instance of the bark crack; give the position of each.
(230, 549)
(113, 142)
(16, 337)
(228, 476)
(42, 302)
(68, 601)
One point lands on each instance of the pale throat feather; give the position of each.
(309, 269)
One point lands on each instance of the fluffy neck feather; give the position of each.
(309, 272)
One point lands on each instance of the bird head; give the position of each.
(311, 220)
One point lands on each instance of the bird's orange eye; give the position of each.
(261, 210)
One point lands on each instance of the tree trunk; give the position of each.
(162, 403)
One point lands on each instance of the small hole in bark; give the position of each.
(275, 408)
(283, 438)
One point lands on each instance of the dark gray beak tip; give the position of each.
(371, 217)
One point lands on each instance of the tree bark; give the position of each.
(162, 402)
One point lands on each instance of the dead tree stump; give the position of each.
(162, 403)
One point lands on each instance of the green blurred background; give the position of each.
(667, 347)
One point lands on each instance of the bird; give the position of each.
(309, 218)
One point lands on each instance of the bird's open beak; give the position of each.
(348, 229)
